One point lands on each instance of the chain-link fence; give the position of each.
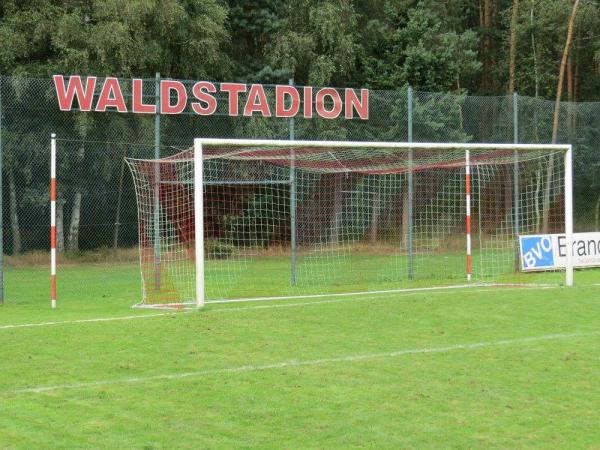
(96, 207)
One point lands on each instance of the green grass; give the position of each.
(510, 392)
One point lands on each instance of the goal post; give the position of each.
(568, 162)
(199, 222)
(346, 216)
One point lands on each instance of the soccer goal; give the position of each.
(289, 218)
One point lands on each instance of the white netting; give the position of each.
(285, 220)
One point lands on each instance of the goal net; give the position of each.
(287, 218)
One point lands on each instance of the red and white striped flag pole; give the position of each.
(53, 219)
(468, 198)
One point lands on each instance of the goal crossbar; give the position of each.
(377, 144)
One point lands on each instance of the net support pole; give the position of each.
(468, 214)
(409, 237)
(1, 207)
(199, 222)
(569, 215)
(293, 244)
(156, 218)
(53, 220)
(516, 190)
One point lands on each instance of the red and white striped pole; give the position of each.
(53, 219)
(468, 199)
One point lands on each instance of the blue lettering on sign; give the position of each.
(536, 252)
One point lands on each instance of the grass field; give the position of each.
(462, 368)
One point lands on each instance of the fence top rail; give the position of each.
(371, 144)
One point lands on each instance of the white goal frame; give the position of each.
(200, 143)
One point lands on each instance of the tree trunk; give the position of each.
(60, 227)
(534, 53)
(570, 85)
(375, 214)
(561, 73)
(597, 215)
(576, 81)
(570, 79)
(574, 94)
(485, 17)
(73, 241)
(535, 73)
(14, 215)
(513, 47)
(118, 213)
(336, 214)
(559, 89)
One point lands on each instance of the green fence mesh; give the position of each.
(96, 211)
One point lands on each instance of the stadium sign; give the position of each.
(549, 251)
(242, 99)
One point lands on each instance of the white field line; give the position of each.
(99, 319)
(391, 291)
(340, 294)
(300, 363)
(282, 305)
(210, 311)
(347, 294)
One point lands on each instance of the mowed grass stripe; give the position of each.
(201, 341)
(536, 394)
(312, 301)
(298, 363)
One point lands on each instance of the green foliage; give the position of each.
(431, 45)
(253, 24)
(318, 42)
(436, 117)
(218, 249)
(414, 46)
(111, 37)
(258, 223)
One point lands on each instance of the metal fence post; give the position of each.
(293, 251)
(516, 190)
(157, 184)
(409, 237)
(1, 208)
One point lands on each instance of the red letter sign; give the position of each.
(74, 89)
(361, 106)
(111, 96)
(308, 102)
(280, 93)
(200, 91)
(337, 103)
(257, 101)
(166, 86)
(137, 93)
(234, 89)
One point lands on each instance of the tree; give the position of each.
(563, 65)
(414, 46)
(513, 47)
(559, 89)
(316, 43)
(254, 25)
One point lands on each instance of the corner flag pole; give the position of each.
(468, 200)
(53, 220)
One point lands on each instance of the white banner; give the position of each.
(549, 251)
